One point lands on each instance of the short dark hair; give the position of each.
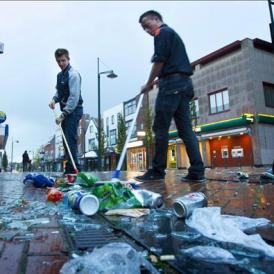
(61, 52)
(150, 13)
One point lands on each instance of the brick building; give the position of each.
(234, 107)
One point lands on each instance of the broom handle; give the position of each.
(64, 137)
(129, 133)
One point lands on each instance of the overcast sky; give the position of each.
(31, 31)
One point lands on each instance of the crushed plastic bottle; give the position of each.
(115, 196)
(112, 258)
(210, 253)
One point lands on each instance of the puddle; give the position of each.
(164, 234)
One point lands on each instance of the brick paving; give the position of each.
(46, 251)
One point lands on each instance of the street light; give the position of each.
(271, 25)
(11, 158)
(110, 74)
(1, 48)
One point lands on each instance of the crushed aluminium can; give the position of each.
(148, 198)
(184, 206)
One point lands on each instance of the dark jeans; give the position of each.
(69, 126)
(25, 166)
(173, 102)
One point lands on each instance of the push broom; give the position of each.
(66, 143)
(117, 172)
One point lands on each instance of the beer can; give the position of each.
(88, 204)
(74, 198)
(184, 206)
(148, 198)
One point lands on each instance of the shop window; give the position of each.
(269, 94)
(219, 101)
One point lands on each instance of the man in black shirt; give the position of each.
(26, 161)
(171, 65)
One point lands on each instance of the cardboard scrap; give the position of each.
(135, 212)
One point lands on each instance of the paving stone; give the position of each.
(47, 241)
(2, 244)
(45, 264)
(11, 256)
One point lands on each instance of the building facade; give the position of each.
(235, 95)
(110, 126)
(59, 150)
(91, 145)
(233, 108)
(48, 159)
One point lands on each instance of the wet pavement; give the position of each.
(38, 237)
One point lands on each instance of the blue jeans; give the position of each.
(70, 126)
(173, 102)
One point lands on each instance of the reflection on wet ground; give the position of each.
(164, 234)
(234, 197)
(24, 210)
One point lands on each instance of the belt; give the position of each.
(182, 74)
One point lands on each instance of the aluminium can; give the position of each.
(184, 206)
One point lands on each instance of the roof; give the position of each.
(90, 154)
(257, 43)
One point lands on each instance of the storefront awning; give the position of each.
(243, 120)
(90, 154)
(135, 144)
(265, 118)
(230, 132)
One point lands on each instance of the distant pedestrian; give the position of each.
(26, 161)
(171, 65)
(69, 97)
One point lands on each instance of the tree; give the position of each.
(193, 113)
(102, 150)
(37, 160)
(5, 161)
(122, 135)
(149, 138)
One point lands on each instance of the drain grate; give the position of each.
(88, 239)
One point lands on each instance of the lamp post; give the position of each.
(11, 158)
(112, 75)
(271, 25)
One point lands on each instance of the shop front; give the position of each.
(231, 151)
(136, 156)
(172, 155)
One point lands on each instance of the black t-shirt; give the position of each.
(170, 49)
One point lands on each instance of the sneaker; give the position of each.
(150, 176)
(193, 178)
